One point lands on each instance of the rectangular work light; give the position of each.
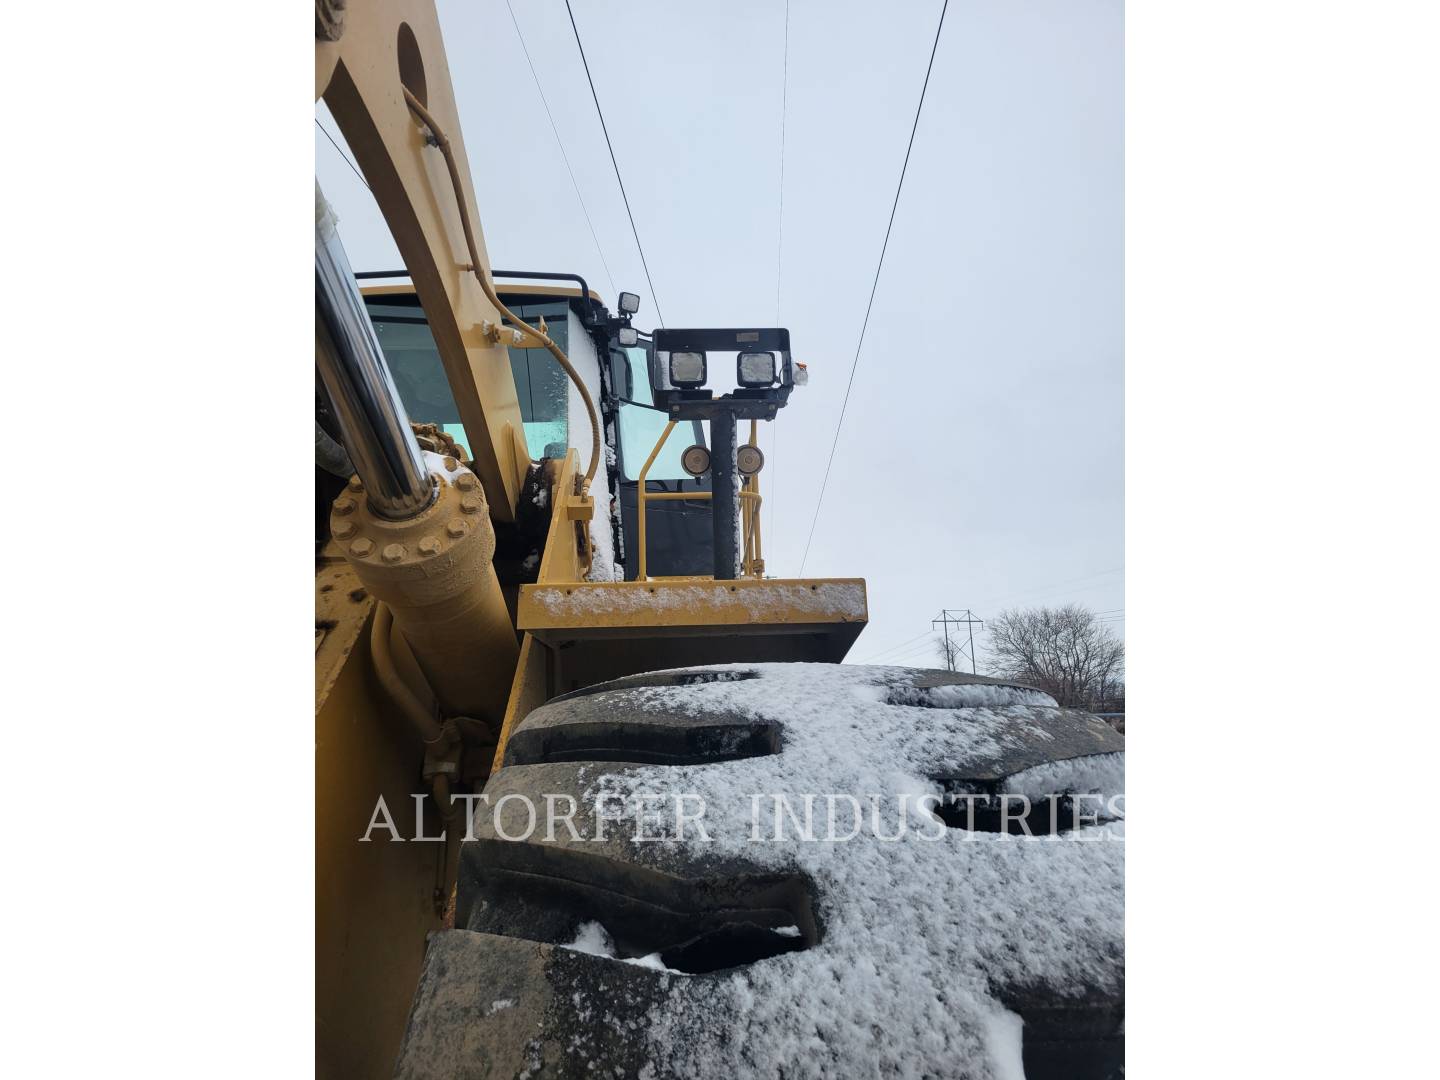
(629, 302)
(687, 369)
(756, 369)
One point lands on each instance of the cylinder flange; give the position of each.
(435, 572)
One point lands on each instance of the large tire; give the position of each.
(941, 952)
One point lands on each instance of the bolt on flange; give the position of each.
(435, 572)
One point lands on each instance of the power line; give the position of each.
(353, 167)
(900, 658)
(1047, 589)
(560, 143)
(896, 653)
(1109, 615)
(893, 648)
(914, 654)
(780, 248)
(784, 108)
(874, 285)
(601, 113)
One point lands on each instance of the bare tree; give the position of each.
(949, 652)
(1065, 651)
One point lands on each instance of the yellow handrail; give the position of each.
(752, 563)
(658, 496)
(641, 497)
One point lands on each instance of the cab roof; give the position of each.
(569, 292)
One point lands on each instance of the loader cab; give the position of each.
(638, 391)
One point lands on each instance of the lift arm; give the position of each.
(367, 53)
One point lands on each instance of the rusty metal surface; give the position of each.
(342, 608)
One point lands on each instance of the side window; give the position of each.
(641, 427)
(415, 364)
(419, 374)
(541, 384)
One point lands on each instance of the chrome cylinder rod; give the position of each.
(372, 418)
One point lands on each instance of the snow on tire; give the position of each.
(798, 870)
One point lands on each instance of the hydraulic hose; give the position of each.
(330, 455)
(488, 287)
(440, 791)
(420, 717)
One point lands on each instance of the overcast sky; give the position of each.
(980, 463)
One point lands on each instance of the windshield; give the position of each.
(641, 427)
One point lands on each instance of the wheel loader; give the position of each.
(594, 795)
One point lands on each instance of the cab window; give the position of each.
(641, 427)
(420, 378)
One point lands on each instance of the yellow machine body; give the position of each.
(377, 898)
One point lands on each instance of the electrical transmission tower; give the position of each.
(960, 648)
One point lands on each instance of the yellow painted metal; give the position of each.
(592, 608)
(560, 560)
(642, 496)
(502, 287)
(478, 268)
(527, 339)
(387, 43)
(505, 288)
(752, 563)
(435, 571)
(749, 497)
(583, 632)
(342, 605)
(603, 630)
(527, 693)
(374, 902)
(563, 558)
(684, 496)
